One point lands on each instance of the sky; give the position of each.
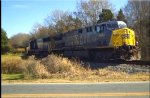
(20, 16)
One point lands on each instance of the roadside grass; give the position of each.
(12, 76)
(8, 56)
(21, 79)
(55, 68)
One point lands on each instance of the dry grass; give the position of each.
(60, 67)
(57, 68)
(10, 64)
(32, 68)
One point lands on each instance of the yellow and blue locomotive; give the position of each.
(107, 40)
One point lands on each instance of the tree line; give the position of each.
(135, 14)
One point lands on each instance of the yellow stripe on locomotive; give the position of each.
(124, 36)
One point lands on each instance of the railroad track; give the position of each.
(119, 65)
(147, 63)
(136, 62)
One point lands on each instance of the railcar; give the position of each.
(107, 40)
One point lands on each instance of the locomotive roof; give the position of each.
(56, 37)
(110, 22)
(107, 22)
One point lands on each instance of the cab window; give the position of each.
(89, 29)
(112, 26)
(97, 28)
(102, 28)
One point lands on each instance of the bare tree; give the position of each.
(19, 40)
(40, 31)
(62, 21)
(138, 14)
(88, 11)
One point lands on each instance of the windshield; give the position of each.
(112, 26)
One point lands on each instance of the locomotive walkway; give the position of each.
(76, 90)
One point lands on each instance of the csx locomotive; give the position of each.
(107, 40)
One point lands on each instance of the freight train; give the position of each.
(106, 40)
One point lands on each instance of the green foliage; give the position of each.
(4, 42)
(12, 76)
(4, 37)
(121, 16)
(106, 15)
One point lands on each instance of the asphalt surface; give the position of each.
(77, 90)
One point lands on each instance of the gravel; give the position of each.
(130, 68)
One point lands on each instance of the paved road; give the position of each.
(77, 90)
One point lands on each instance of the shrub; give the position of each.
(63, 66)
(11, 65)
(34, 69)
